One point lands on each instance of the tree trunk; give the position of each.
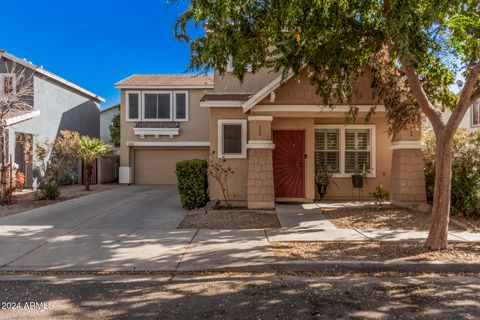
(437, 237)
(88, 175)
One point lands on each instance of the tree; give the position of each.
(89, 149)
(115, 130)
(17, 97)
(56, 159)
(415, 49)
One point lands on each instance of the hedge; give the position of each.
(192, 183)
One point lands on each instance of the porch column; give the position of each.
(407, 186)
(260, 190)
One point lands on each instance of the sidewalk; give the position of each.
(28, 248)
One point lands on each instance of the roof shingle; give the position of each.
(165, 80)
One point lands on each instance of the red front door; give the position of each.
(289, 164)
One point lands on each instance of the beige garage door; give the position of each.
(157, 166)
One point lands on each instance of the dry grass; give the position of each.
(374, 251)
(230, 219)
(385, 218)
(25, 200)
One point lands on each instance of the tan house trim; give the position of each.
(315, 108)
(168, 144)
(407, 145)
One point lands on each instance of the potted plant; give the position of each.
(359, 176)
(323, 178)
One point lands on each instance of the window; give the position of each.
(345, 149)
(357, 150)
(8, 84)
(133, 106)
(232, 138)
(181, 106)
(327, 149)
(476, 113)
(157, 106)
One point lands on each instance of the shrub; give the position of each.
(192, 183)
(465, 198)
(48, 192)
(380, 194)
(20, 180)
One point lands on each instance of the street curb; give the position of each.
(297, 266)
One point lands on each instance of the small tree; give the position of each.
(115, 130)
(17, 97)
(221, 172)
(89, 149)
(56, 159)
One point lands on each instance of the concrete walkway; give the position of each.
(305, 222)
(134, 229)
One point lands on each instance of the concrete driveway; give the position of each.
(128, 228)
(119, 227)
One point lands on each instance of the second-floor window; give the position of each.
(157, 106)
(7, 85)
(476, 114)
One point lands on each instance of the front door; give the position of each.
(289, 164)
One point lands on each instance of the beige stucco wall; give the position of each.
(238, 182)
(251, 83)
(298, 91)
(196, 129)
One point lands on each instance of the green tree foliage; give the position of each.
(414, 49)
(115, 130)
(465, 197)
(89, 149)
(192, 183)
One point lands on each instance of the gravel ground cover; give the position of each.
(387, 218)
(25, 200)
(374, 251)
(230, 219)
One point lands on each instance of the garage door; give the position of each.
(157, 166)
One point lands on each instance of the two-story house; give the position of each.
(161, 123)
(57, 104)
(275, 134)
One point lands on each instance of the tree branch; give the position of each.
(464, 101)
(433, 115)
(475, 96)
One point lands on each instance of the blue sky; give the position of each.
(95, 43)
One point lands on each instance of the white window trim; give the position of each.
(127, 108)
(472, 113)
(341, 128)
(220, 124)
(170, 93)
(187, 109)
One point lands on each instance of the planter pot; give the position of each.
(357, 180)
(322, 190)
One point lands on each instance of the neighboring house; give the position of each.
(106, 116)
(274, 133)
(161, 123)
(57, 104)
(470, 121)
(108, 165)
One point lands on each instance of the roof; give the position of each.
(117, 105)
(166, 81)
(226, 97)
(40, 70)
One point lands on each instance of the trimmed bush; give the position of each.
(192, 183)
(465, 198)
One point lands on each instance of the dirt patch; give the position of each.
(230, 219)
(374, 251)
(25, 200)
(385, 218)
